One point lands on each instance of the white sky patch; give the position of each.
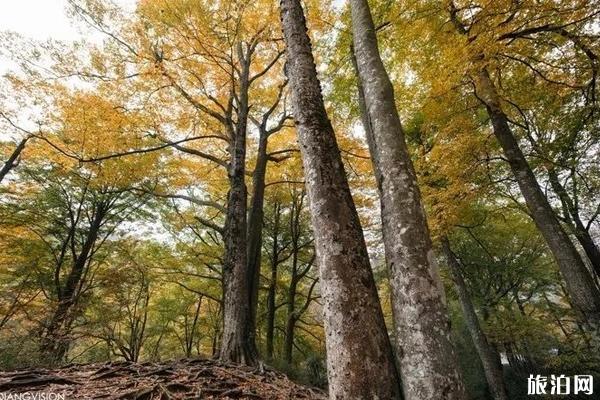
(38, 19)
(42, 20)
(339, 4)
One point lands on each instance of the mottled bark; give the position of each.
(489, 359)
(427, 360)
(580, 284)
(238, 342)
(355, 333)
(571, 214)
(13, 159)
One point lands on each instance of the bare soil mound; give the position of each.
(182, 379)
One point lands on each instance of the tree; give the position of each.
(348, 289)
(78, 221)
(509, 273)
(299, 270)
(489, 358)
(125, 329)
(218, 68)
(156, 202)
(582, 288)
(278, 244)
(428, 364)
(17, 99)
(292, 285)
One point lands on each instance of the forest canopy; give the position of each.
(324, 188)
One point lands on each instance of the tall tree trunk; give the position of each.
(581, 286)
(356, 337)
(255, 225)
(427, 360)
(572, 214)
(238, 342)
(491, 366)
(12, 159)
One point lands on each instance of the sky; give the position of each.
(41, 20)
(38, 19)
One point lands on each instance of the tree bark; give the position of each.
(580, 284)
(427, 360)
(491, 367)
(238, 342)
(356, 338)
(12, 159)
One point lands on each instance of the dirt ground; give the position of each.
(182, 379)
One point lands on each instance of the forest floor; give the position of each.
(182, 379)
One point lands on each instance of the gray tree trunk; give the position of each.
(427, 360)
(580, 284)
(360, 363)
(237, 343)
(491, 366)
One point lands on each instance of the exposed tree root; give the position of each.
(182, 379)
